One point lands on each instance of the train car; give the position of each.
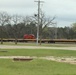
(29, 36)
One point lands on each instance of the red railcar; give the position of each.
(29, 36)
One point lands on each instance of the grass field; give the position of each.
(35, 67)
(37, 52)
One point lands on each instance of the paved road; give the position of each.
(34, 47)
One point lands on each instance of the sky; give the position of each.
(64, 10)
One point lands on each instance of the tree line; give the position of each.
(16, 26)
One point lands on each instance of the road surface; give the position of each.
(34, 47)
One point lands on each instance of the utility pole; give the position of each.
(39, 2)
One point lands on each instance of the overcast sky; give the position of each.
(64, 10)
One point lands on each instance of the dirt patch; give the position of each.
(3, 51)
(22, 59)
(71, 60)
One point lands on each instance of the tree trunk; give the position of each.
(1, 40)
(2, 34)
(40, 40)
(15, 40)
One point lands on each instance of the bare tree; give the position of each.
(26, 20)
(4, 19)
(16, 19)
(43, 23)
(29, 24)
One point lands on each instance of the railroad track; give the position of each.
(43, 40)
